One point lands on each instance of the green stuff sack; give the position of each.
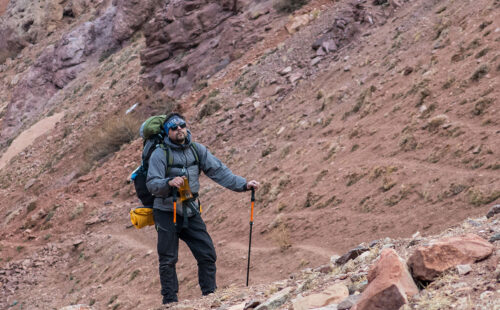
(152, 126)
(152, 131)
(142, 217)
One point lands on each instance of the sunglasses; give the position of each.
(175, 127)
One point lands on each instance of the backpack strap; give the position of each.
(170, 157)
(194, 148)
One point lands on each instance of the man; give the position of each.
(187, 161)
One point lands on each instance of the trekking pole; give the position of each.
(175, 207)
(250, 236)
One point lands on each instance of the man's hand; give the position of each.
(253, 184)
(176, 182)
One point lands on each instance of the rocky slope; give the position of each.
(363, 120)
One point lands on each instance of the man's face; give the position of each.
(177, 130)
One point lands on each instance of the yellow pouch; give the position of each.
(141, 217)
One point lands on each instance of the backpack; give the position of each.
(152, 133)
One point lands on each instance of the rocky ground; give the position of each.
(364, 120)
(347, 279)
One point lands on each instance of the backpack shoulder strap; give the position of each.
(168, 156)
(194, 148)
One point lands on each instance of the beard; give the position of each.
(179, 137)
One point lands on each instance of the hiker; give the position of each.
(188, 160)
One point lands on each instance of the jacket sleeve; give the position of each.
(217, 171)
(156, 181)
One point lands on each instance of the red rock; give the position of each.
(390, 283)
(429, 261)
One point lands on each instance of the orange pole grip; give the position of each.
(175, 212)
(251, 212)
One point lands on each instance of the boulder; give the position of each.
(390, 284)
(430, 261)
(331, 295)
(276, 300)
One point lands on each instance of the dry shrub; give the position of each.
(108, 138)
(212, 106)
(434, 296)
(438, 120)
(353, 178)
(282, 237)
(478, 197)
(288, 5)
(479, 73)
(482, 105)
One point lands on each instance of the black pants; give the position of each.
(198, 241)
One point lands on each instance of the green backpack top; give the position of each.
(152, 126)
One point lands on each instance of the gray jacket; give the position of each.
(157, 181)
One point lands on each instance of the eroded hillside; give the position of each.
(362, 119)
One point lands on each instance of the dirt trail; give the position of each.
(136, 239)
(3, 6)
(309, 248)
(28, 136)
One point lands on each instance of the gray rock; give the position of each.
(334, 258)
(295, 77)
(494, 210)
(29, 184)
(329, 307)
(315, 61)
(349, 302)
(494, 238)
(473, 223)
(329, 46)
(276, 300)
(464, 269)
(320, 52)
(353, 253)
(286, 71)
